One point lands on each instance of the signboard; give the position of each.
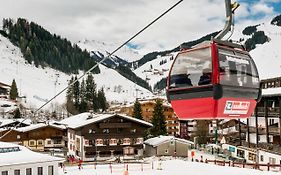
(236, 107)
(231, 149)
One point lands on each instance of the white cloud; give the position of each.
(261, 8)
(117, 20)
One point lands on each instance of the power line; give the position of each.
(92, 68)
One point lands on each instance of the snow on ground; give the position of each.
(168, 167)
(39, 85)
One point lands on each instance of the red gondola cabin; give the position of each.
(218, 80)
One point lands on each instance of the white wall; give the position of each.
(267, 156)
(262, 138)
(34, 166)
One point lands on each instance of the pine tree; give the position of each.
(102, 103)
(83, 104)
(17, 114)
(137, 110)
(202, 130)
(14, 90)
(158, 120)
(76, 93)
(90, 94)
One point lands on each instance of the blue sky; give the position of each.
(117, 20)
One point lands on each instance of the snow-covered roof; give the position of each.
(22, 155)
(155, 141)
(271, 91)
(86, 118)
(244, 121)
(39, 125)
(4, 122)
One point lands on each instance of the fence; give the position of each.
(268, 167)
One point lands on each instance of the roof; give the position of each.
(271, 92)
(86, 118)
(6, 86)
(23, 155)
(39, 125)
(155, 141)
(4, 122)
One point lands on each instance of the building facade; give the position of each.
(95, 136)
(38, 137)
(147, 107)
(16, 160)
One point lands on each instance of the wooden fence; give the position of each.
(257, 166)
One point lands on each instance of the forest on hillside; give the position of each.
(40, 47)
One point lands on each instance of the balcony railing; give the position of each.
(271, 111)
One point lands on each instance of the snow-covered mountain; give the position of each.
(39, 85)
(99, 50)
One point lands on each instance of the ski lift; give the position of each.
(214, 80)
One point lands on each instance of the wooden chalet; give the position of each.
(96, 136)
(38, 137)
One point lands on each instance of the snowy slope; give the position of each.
(268, 55)
(126, 53)
(39, 85)
(153, 72)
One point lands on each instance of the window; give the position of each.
(105, 131)
(99, 142)
(113, 142)
(50, 170)
(92, 131)
(237, 69)
(31, 143)
(49, 142)
(17, 172)
(126, 141)
(4, 173)
(192, 68)
(28, 171)
(139, 141)
(40, 142)
(241, 153)
(40, 171)
(261, 158)
(252, 157)
(272, 160)
(119, 130)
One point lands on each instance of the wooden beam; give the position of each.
(279, 121)
(257, 128)
(266, 120)
(248, 132)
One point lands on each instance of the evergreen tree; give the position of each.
(137, 110)
(14, 90)
(202, 130)
(102, 100)
(90, 92)
(83, 104)
(17, 114)
(158, 120)
(76, 93)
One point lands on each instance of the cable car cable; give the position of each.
(92, 68)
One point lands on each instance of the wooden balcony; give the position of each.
(271, 112)
(115, 125)
(113, 135)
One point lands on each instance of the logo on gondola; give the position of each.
(236, 107)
